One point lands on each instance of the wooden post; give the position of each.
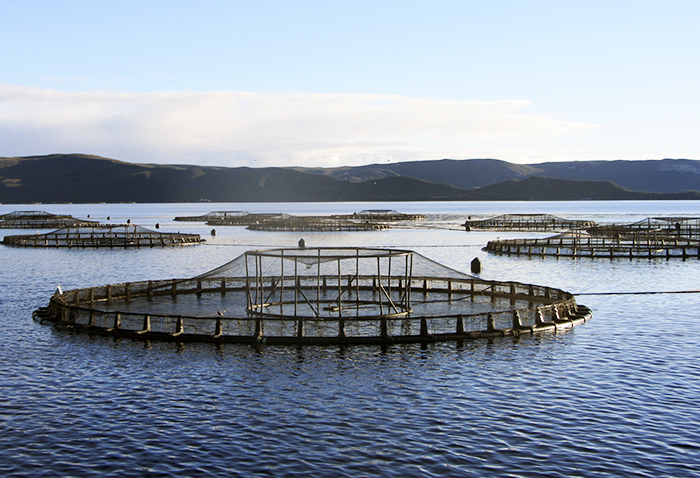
(423, 327)
(517, 321)
(539, 319)
(179, 326)
(490, 323)
(341, 328)
(146, 325)
(117, 321)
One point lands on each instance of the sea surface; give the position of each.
(617, 396)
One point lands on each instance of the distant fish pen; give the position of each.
(317, 224)
(528, 222)
(584, 245)
(40, 220)
(660, 226)
(386, 215)
(321, 296)
(214, 215)
(247, 219)
(103, 236)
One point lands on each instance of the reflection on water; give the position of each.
(616, 396)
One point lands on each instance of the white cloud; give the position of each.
(266, 129)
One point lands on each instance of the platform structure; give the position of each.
(40, 220)
(321, 296)
(592, 246)
(317, 224)
(104, 237)
(214, 215)
(380, 215)
(687, 227)
(528, 222)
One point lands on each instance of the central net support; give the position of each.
(329, 282)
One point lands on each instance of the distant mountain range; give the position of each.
(660, 176)
(78, 178)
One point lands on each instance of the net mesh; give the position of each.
(309, 262)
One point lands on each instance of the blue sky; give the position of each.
(331, 83)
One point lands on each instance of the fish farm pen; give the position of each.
(528, 222)
(40, 220)
(103, 236)
(678, 226)
(318, 224)
(387, 215)
(214, 215)
(584, 245)
(319, 296)
(247, 219)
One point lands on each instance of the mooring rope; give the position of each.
(642, 293)
(384, 246)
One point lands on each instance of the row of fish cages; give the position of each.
(367, 220)
(581, 245)
(128, 236)
(317, 296)
(214, 216)
(527, 222)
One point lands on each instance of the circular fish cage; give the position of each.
(308, 296)
(104, 236)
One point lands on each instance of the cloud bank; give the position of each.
(266, 129)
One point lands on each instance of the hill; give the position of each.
(661, 176)
(82, 179)
(77, 178)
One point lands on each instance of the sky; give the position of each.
(345, 83)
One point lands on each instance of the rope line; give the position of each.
(402, 246)
(642, 293)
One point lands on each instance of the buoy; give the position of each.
(476, 265)
(302, 243)
(213, 232)
(157, 226)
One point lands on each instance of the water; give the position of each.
(617, 396)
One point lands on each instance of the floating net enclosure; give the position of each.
(388, 215)
(247, 219)
(103, 236)
(528, 222)
(40, 220)
(214, 215)
(317, 296)
(688, 227)
(617, 245)
(318, 224)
